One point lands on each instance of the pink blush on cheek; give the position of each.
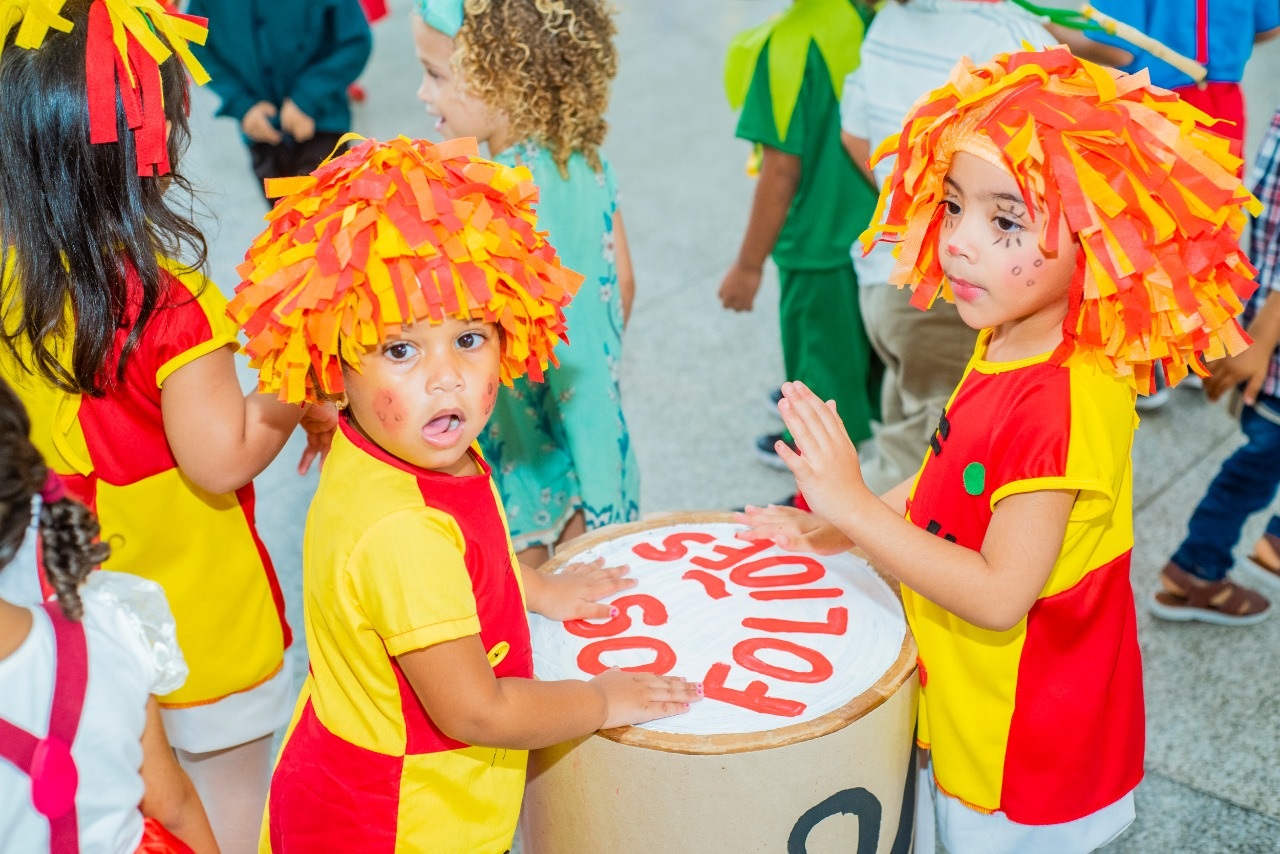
(387, 407)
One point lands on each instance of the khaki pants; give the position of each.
(924, 354)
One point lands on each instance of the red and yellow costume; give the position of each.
(201, 548)
(1044, 721)
(397, 558)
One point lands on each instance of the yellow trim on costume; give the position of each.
(425, 636)
(1042, 484)
(197, 703)
(187, 357)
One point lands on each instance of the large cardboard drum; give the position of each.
(804, 742)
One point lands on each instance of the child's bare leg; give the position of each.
(535, 556)
(925, 831)
(233, 787)
(575, 527)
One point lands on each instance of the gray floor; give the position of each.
(696, 377)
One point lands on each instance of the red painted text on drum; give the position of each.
(788, 576)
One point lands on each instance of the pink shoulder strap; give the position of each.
(47, 761)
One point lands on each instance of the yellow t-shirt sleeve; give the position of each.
(410, 578)
(193, 326)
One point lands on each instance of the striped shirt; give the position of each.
(1264, 237)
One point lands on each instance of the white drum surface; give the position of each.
(777, 638)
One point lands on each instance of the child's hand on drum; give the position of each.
(825, 463)
(792, 529)
(574, 593)
(633, 698)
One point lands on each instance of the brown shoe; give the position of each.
(1223, 603)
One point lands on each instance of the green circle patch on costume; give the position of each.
(975, 478)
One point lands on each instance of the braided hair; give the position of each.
(68, 529)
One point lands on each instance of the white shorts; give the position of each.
(236, 719)
(961, 830)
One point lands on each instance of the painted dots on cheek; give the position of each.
(1039, 262)
(492, 394)
(1017, 271)
(387, 408)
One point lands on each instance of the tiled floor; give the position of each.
(695, 378)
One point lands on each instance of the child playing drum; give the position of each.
(1080, 220)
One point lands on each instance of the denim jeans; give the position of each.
(1245, 484)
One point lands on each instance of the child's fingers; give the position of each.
(806, 417)
(1253, 386)
(583, 567)
(822, 413)
(674, 689)
(608, 586)
(595, 611)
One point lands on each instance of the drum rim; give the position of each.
(898, 673)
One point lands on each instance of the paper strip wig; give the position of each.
(389, 234)
(122, 54)
(1153, 200)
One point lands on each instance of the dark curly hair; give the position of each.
(547, 64)
(68, 530)
(76, 219)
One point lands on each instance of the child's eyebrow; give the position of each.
(987, 196)
(1003, 197)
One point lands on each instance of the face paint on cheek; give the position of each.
(387, 408)
(491, 395)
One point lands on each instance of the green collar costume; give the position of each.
(834, 25)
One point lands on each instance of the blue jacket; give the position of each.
(267, 50)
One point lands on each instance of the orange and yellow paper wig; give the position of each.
(1152, 198)
(390, 234)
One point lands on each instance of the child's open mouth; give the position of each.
(443, 430)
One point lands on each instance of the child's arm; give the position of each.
(992, 588)
(626, 273)
(168, 795)
(220, 437)
(1086, 48)
(859, 152)
(457, 687)
(574, 593)
(1249, 367)
(779, 178)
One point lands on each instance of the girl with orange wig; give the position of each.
(1087, 226)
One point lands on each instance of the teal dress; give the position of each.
(562, 445)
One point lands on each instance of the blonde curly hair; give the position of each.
(547, 64)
